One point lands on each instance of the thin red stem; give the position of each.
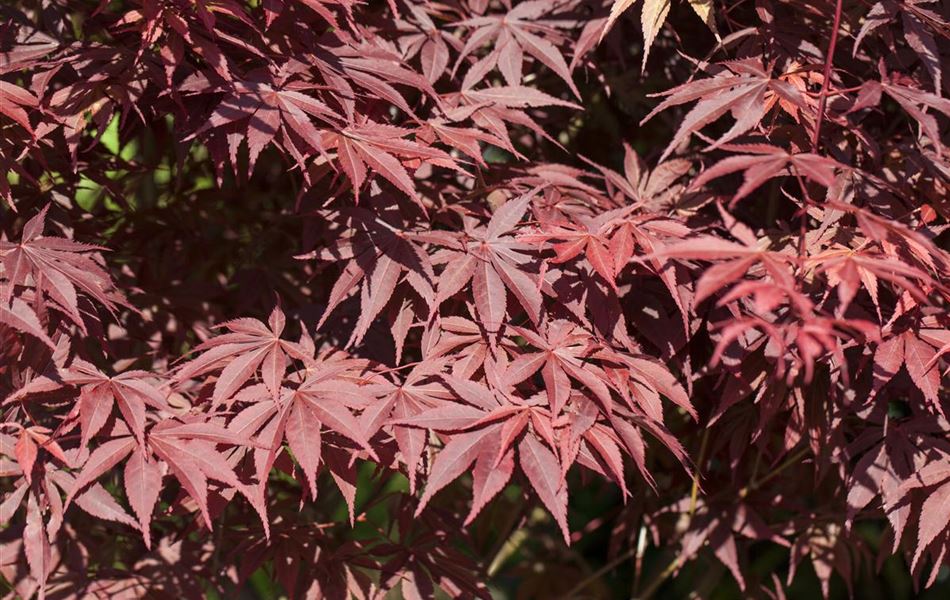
(829, 57)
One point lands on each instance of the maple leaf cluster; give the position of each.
(304, 288)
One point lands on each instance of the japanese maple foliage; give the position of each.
(349, 296)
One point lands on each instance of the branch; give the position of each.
(829, 57)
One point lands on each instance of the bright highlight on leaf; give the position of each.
(653, 16)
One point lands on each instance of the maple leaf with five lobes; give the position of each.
(249, 347)
(325, 398)
(745, 88)
(514, 34)
(382, 149)
(590, 236)
(564, 348)
(269, 111)
(494, 262)
(649, 230)
(401, 401)
(132, 391)
(56, 268)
